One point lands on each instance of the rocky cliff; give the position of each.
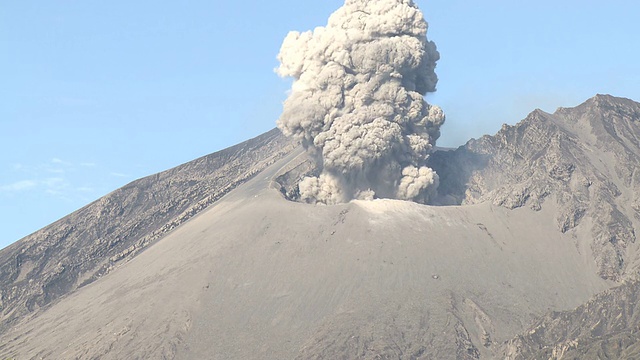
(606, 327)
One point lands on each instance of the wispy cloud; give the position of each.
(53, 182)
(56, 186)
(71, 101)
(19, 186)
(50, 177)
(52, 186)
(53, 166)
(59, 178)
(54, 192)
(60, 162)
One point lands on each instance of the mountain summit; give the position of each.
(528, 251)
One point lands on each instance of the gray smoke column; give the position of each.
(357, 102)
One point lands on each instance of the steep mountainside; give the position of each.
(92, 241)
(606, 327)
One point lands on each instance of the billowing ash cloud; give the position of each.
(357, 102)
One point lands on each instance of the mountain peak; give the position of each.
(607, 98)
(604, 98)
(605, 102)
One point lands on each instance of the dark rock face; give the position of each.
(92, 241)
(581, 160)
(607, 327)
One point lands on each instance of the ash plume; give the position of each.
(357, 102)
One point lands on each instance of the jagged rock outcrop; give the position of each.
(583, 160)
(606, 327)
(87, 244)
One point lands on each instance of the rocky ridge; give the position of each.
(606, 327)
(584, 159)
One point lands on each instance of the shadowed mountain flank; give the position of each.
(94, 240)
(606, 327)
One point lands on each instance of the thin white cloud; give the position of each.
(55, 177)
(56, 186)
(57, 166)
(59, 162)
(18, 186)
(53, 182)
(70, 101)
(117, 174)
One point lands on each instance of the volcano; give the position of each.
(527, 251)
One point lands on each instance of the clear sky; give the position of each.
(95, 94)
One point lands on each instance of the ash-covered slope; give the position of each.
(92, 241)
(584, 160)
(257, 276)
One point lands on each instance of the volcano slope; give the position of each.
(541, 218)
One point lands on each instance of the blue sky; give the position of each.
(97, 94)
